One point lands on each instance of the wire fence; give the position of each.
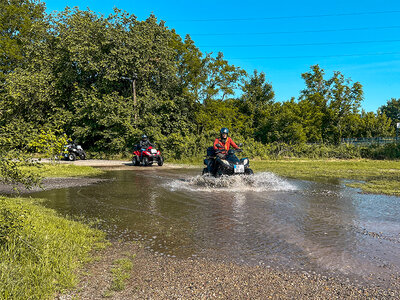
(370, 141)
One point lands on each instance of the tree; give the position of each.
(19, 21)
(374, 125)
(221, 78)
(391, 110)
(256, 100)
(329, 103)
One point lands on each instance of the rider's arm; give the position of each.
(215, 144)
(234, 145)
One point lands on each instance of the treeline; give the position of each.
(72, 73)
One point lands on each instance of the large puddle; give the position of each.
(263, 220)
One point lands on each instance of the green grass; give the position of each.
(40, 252)
(380, 176)
(63, 170)
(120, 273)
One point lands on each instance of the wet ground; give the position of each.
(263, 220)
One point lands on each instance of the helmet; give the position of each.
(224, 130)
(144, 137)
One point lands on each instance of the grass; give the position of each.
(120, 273)
(379, 176)
(40, 251)
(63, 170)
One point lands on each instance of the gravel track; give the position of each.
(158, 277)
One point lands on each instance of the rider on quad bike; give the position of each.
(145, 153)
(144, 142)
(224, 142)
(221, 160)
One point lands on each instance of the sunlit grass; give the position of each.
(380, 176)
(40, 251)
(63, 170)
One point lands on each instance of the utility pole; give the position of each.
(133, 80)
(134, 77)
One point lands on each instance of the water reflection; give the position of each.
(259, 220)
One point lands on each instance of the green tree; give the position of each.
(391, 110)
(374, 125)
(19, 22)
(327, 104)
(256, 102)
(222, 79)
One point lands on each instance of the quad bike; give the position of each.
(147, 156)
(218, 164)
(72, 151)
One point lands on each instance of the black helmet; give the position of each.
(224, 130)
(144, 137)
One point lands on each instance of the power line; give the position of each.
(288, 17)
(314, 56)
(300, 44)
(289, 32)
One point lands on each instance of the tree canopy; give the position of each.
(73, 72)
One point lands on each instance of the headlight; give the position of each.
(226, 163)
(245, 161)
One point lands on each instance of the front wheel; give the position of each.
(145, 161)
(248, 171)
(82, 156)
(160, 161)
(205, 172)
(71, 156)
(135, 161)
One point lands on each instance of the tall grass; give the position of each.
(40, 251)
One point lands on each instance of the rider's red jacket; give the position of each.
(226, 145)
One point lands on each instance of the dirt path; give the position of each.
(121, 164)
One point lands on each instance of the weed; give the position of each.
(120, 273)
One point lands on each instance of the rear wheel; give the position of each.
(160, 161)
(145, 161)
(71, 156)
(248, 171)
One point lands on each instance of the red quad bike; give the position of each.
(146, 157)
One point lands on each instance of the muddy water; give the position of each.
(264, 219)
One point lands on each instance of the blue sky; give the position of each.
(361, 39)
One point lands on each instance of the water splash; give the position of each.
(259, 182)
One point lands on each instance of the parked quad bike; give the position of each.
(228, 164)
(147, 156)
(72, 151)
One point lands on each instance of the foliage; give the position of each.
(12, 172)
(18, 21)
(391, 110)
(104, 81)
(49, 143)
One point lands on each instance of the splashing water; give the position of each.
(259, 182)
